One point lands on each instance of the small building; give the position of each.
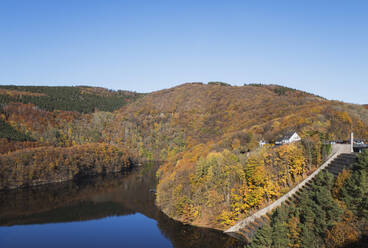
(262, 143)
(288, 139)
(359, 142)
(360, 147)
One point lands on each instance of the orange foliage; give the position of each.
(55, 164)
(19, 93)
(11, 146)
(341, 234)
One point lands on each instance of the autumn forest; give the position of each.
(213, 171)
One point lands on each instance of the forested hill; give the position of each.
(215, 111)
(208, 135)
(83, 99)
(214, 172)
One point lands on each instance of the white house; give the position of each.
(262, 143)
(289, 138)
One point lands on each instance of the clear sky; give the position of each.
(319, 46)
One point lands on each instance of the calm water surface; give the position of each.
(109, 211)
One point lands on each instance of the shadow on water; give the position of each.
(99, 197)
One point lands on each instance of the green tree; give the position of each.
(280, 237)
(263, 237)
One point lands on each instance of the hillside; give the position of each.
(83, 99)
(35, 125)
(166, 124)
(33, 113)
(204, 131)
(163, 123)
(214, 172)
(208, 112)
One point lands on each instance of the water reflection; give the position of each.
(99, 197)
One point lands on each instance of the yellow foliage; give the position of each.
(294, 231)
(339, 183)
(227, 218)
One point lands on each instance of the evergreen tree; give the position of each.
(307, 237)
(355, 192)
(263, 237)
(280, 230)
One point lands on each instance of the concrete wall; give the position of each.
(337, 149)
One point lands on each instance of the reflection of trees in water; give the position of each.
(23, 203)
(99, 197)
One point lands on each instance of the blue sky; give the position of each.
(318, 46)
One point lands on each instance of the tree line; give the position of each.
(67, 98)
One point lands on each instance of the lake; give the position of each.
(103, 211)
